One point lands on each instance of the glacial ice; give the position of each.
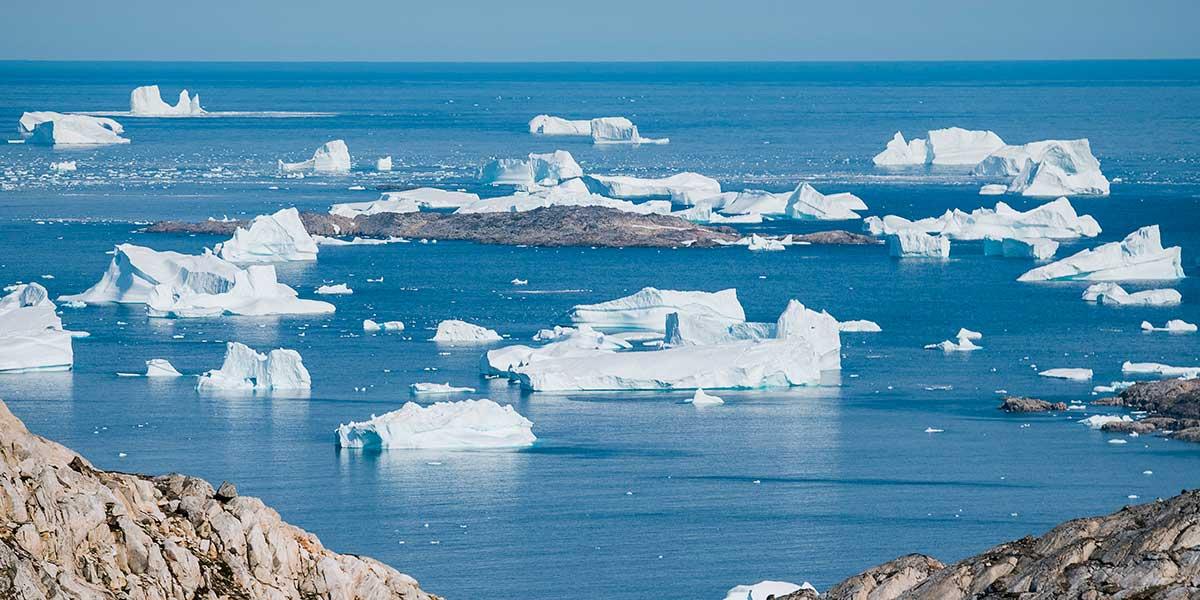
(859, 326)
(536, 170)
(903, 153)
(406, 201)
(952, 146)
(465, 425)
(1140, 256)
(453, 331)
(383, 164)
(74, 130)
(64, 166)
(1111, 293)
(1054, 220)
(967, 334)
(759, 243)
(564, 341)
(993, 189)
(548, 125)
(756, 202)
(818, 329)
(1172, 326)
(338, 289)
(910, 243)
(439, 388)
(702, 399)
(1048, 168)
(1149, 368)
(32, 337)
(1035, 248)
(966, 342)
(619, 130)
(247, 370)
(135, 270)
(253, 292)
(1099, 421)
(704, 329)
(808, 204)
(371, 326)
(30, 120)
(280, 237)
(647, 309)
(707, 215)
(764, 590)
(161, 367)
(332, 157)
(146, 101)
(1072, 374)
(569, 193)
(685, 188)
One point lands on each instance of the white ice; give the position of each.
(951, 146)
(30, 120)
(75, 130)
(247, 370)
(64, 166)
(1159, 369)
(439, 388)
(1048, 169)
(535, 170)
(702, 399)
(135, 270)
(253, 292)
(32, 337)
(1054, 220)
(1099, 421)
(965, 342)
(1140, 256)
(453, 331)
(146, 101)
(1035, 248)
(161, 367)
(764, 590)
(465, 425)
(993, 189)
(1111, 293)
(569, 193)
(859, 326)
(806, 203)
(279, 237)
(647, 309)
(564, 341)
(332, 157)
(1072, 374)
(406, 201)
(383, 164)
(619, 130)
(371, 326)
(685, 188)
(548, 125)
(338, 289)
(1172, 326)
(759, 243)
(910, 243)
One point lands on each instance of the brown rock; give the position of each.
(1138, 427)
(888, 580)
(1021, 404)
(837, 237)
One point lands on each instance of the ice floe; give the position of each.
(247, 370)
(1099, 421)
(254, 292)
(549, 125)
(1112, 388)
(1035, 248)
(1054, 220)
(383, 164)
(1072, 374)
(759, 243)
(337, 289)
(993, 189)
(685, 188)
(536, 170)
(965, 342)
(1140, 256)
(465, 425)
(406, 201)
(1111, 293)
(910, 243)
(32, 337)
(146, 101)
(332, 157)
(1172, 326)
(371, 326)
(161, 367)
(75, 130)
(647, 309)
(453, 331)
(951, 146)
(1159, 369)
(702, 399)
(619, 130)
(859, 326)
(64, 166)
(764, 590)
(439, 388)
(279, 237)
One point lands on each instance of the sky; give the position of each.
(604, 30)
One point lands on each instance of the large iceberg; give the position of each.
(247, 370)
(75, 130)
(135, 271)
(569, 193)
(756, 202)
(1047, 168)
(146, 101)
(910, 243)
(406, 201)
(465, 425)
(280, 237)
(462, 332)
(1053, 220)
(536, 170)
(682, 188)
(161, 367)
(1110, 293)
(648, 309)
(254, 292)
(548, 125)
(704, 329)
(619, 130)
(1140, 256)
(1036, 248)
(900, 152)
(30, 120)
(332, 157)
(809, 204)
(567, 341)
(951, 146)
(32, 337)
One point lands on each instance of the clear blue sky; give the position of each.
(545, 30)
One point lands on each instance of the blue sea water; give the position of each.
(625, 495)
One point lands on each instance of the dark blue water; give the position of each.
(633, 493)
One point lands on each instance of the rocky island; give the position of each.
(1172, 407)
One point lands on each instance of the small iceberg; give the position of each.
(30, 120)
(332, 157)
(619, 130)
(909, 243)
(1099, 421)
(647, 309)
(536, 170)
(759, 243)
(75, 130)
(371, 326)
(465, 425)
(1172, 326)
(702, 399)
(146, 101)
(279, 237)
(966, 342)
(406, 201)
(548, 125)
(1112, 388)
(339, 289)
(859, 326)
(32, 338)
(568, 193)
(993, 189)
(685, 188)
(953, 146)
(1140, 256)
(247, 370)
(1056, 220)
(161, 367)
(1111, 293)
(764, 590)
(1009, 247)
(64, 166)
(1072, 374)
(384, 164)
(439, 388)
(461, 332)
(806, 203)
(1159, 369)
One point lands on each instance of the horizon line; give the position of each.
(593, 62)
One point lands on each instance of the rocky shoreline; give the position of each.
(555, 226)
(1172, 407)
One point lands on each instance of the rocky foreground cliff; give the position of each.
(71, 531)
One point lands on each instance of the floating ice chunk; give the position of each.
(407, 201)
(30, 120)
(135, 270)
(1072, 374)
(909, 243)
(966, 342)
(702, 329)
(357, 241)
(339, 289)
(146, 101)
(1036, 248)
(934, 429)
(818, 329)
(993, 189)
(685, 188)
(161, 367)
(32, 337)
(1113, 387)
(548, 125)
(439, 388)
(247, 370)
(702, 399)
(1111, 293)
(518, 281)
(902, 153)
(332, 157)
(958, 146)
(371, 326)
(648, 309)
(759, 243)
(859, 326)
(1149, 368)
(1054, 220)
(967, 334)
(1140, 256)
(757, 202)
(619, 130)
(1048, 168)
(465, 425)
(464, 333)
(808, 204)
(537, 169)
(1173, 326)
(280, 237)
(383, 164)
(74, 130)
(565, 341)
(63, 166)
(1099, 421)
(707, 215)
(764, 590)
(253, 292)
(565, 194)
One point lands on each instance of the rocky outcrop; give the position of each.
(1173, 406)
(1145, 552)
(550, 226)
(838, 237)
(1021, 404)
(71, 531)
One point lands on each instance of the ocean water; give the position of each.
(625, 495)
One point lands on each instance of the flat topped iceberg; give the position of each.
(564, 341)
(685, 188)
(952, 146)
(146, 101)
(464, 333)
(383, 164)
(1099, 421)
(859, 326)
(548, 125)
(75, 130)
(406, 201)
(280, 237)
(246, 370)
(1072, 374)
(809, 204)
(161, 367)
(619, 130)
(910, 243)
(466, 425)
(338, 289)
(1054, 220)
(536, 170)
(30, 120)
(332, 157)
(1159, 369)
(254, 292)
(1111, 293)
(372, 326)
(135, 271)
(1140, 256)
(439, 388)
(648, 309)
(32, 337)
(1172, 326)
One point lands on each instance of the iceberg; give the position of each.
(993, 189)
(566, 341)
(136, 270)
(161, 367)
(331, 157)
(707, 215)
(647, 309)
(1036, 248)
(383, 164)
(146, 101)
(702, 399)
(952, 146)
(903, 153)
(1054, 220)
(1140, 256)
(439, 388)
(247, 370)
(548, 125)
(339, 289)
(30, 120)
(1149, 368)
(371, 326)
(536, 170)
(32, 337)
(452, 331)
(74, 130)
(860, 326)
(757, 202)
(407, 201)
(685, 188)
(1048, 169)
(1099, 421)
(808, 204)
(1112, 388)
(1172, 326)
(1072, 374)
(1111, 293)
(703, 329)
(762, 244)
(964, 333)
(280, 237)
(619, 130)
(569, 193)
(64, 166)
(910, 243)
(817, 329)
(966, 342)
(465, 425)
(253, 292)
(764, 590)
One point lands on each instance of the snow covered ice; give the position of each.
(465, 425)
(439, 388)
(702, 399)
(648, 309)
(952, 146)
(1111, 293)
(619, 130)
(685, 188)
(910, 243)
(406, 201)
(1140, 256)
(1172, 326)
(764, 590)
(1054, 220)
(32, 337)
(1159, 369)
(536, 170)
(1072, 374)
(549, 125)
(339, 289)
(161, 367)
(1035, 248)
(279, 237)
(146, 101)
(332, 157)
(247, 370)
(30, 120)
(75, 130)
(453, 331)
